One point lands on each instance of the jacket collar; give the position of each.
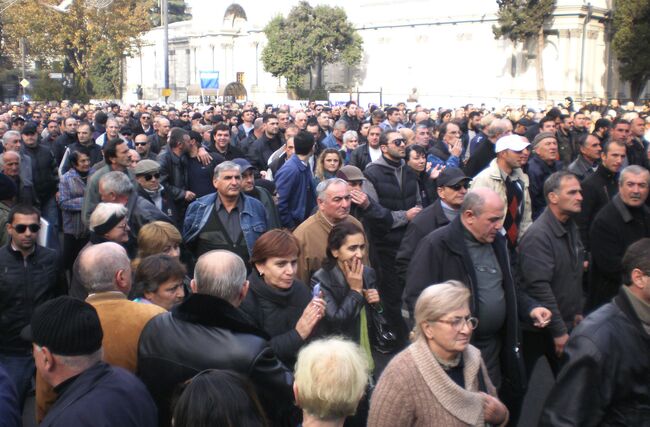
(439, 213)
(382, 162)
(553, 223)
(211, 311)
(260, 288)
(622, 209)
(622, 301)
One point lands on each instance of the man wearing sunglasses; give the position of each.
(143, 147)
(394, 185)
(30, 276)
(147, 173)
(145, 124)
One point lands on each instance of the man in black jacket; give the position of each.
(208, 331)
(484, 153)
(368, 152)
(30, 276)
(621, 222)
(85, 145)
(605, 378)
(260, 151)
(68, 137)
(174, 171)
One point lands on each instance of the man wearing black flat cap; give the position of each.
(66, 338)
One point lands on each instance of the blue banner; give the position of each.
(209, 79)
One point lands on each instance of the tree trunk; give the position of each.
(637, 85)
(319, 73)
(539, 65)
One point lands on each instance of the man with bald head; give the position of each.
(208, 331)
(159, 139)
(472, 250)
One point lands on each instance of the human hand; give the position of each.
(560, 342)
(494, 412)
(204, 157)
(263, 174)
(310, 317)
(359, 198)
(372, 296)
(189, 196)
(411, 213)
(456, 148)
(435, 172)
(541, 316)
(585, 265)
(353, 273)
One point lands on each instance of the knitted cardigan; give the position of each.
(415, 391)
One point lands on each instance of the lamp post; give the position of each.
(165, 23)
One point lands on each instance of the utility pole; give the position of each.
(165, 22)
(23, 52)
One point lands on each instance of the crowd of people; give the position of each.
(265, 265)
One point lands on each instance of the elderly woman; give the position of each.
(159, 281)
(350, 142)
(71, 199)
(158, 237)
(440, 379)
(280, 304)
(328, 163)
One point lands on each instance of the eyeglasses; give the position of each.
(460, 185)
(458, 322)
(21, 228)
(140, 143)
(399, 141)
(145, 117)
(150, 176)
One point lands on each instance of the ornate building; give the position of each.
(427, 51)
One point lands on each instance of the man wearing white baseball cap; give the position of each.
(505, 177)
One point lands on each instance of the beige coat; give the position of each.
(414, 391)
(490, 177)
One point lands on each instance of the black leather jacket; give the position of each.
(24, 285)
(606, 380)
(205, 332)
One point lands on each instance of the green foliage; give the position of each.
(631, 41)
(105, 73)
(177, 11)
(519, 20)
(309, 37)
(44, 88)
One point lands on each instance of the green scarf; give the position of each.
(364, 339)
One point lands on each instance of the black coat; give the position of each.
(442, 255)
(597, 190)
(205, 332)
(61, 143)
(103, 395)
(44, 172)
(260, 151)
(538, 171)
(606, 379)
(360, 157)
(612, 232)
(480, 158)
(277, 312)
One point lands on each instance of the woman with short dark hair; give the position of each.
(159, 281)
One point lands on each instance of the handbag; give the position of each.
(384, 340)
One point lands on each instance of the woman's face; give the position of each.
(445, 339)
(446, 117)
(172, 249)
(83, 163)
(331, 162)
(119, 233)
(364, 129)
(417, 161)
(354, 246)
(168, 294)
(351, 143)
(279, 272)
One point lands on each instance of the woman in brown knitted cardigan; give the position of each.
(440, 379)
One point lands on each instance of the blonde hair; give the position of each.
(154, 238)
(320, 163)
(436, 301)
(331, 376)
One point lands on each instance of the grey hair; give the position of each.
(9, 134)
(497, 127)
(554, 182)
(322, 186)
(632, 170)
(341, 124)
(350, 134)
(82, 362)
(437, 300)
(116, 182)
(2, 158)
(221, 276)
(98, 265)
(103, 212)
(258, 123)
(473, 202)
(225, 166)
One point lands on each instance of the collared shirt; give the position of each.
(230, 220)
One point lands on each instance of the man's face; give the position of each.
(149, 181)
(163, 128)
(122, 157)
(621, 132)
(71, 125)
(247, 181)
(228, 183)
(452, 134)
(634, 189)
(475, 121)
(613, 159)
(53, 129)
(84, 135)
(301, 120)
(352, 110)
(282, 121)
(12, 164)
(568, 197)
(207, 116)
(221, 139)
(324, 120)
(248, 116)
(272, 127)
(592, 148)
(548, 126)
(112, 128)
(141, 144)
(394, 117)
(24, 231)
(454, 195)
(579, 121)
(314, 130)
(637, 127)
(546, 149)
(30, 139)
(484, 227)
(145, 120)
(513, 158)
(336, 204)
(396, 147)
(567, 124)
(373, 137)
(289, 148)
(13, 143)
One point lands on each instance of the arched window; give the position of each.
(234, 17)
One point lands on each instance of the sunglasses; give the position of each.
(140, 143)
(399, 141)
(21, 228)
(460, 185)
(150, 176)
(145, 117)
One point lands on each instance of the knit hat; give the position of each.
(7, 187)
(542, 135)
(66, 326)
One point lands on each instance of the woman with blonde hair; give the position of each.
(440, 379)
(328, 163)
(158, 237)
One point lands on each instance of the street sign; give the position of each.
(56, 76)
(167, 92)
(24, 83)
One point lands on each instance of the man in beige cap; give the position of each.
(147, 174)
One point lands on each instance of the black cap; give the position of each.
(65, 325)
(450, 177)
(243, 164)
(29, 128)
(18, 119)
(7, 187)
(197, 116)
(126, 130)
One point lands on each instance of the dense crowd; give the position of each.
(262, 265)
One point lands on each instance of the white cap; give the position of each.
(511, 142)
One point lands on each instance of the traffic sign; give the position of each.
(167, 92)
(24, 83)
